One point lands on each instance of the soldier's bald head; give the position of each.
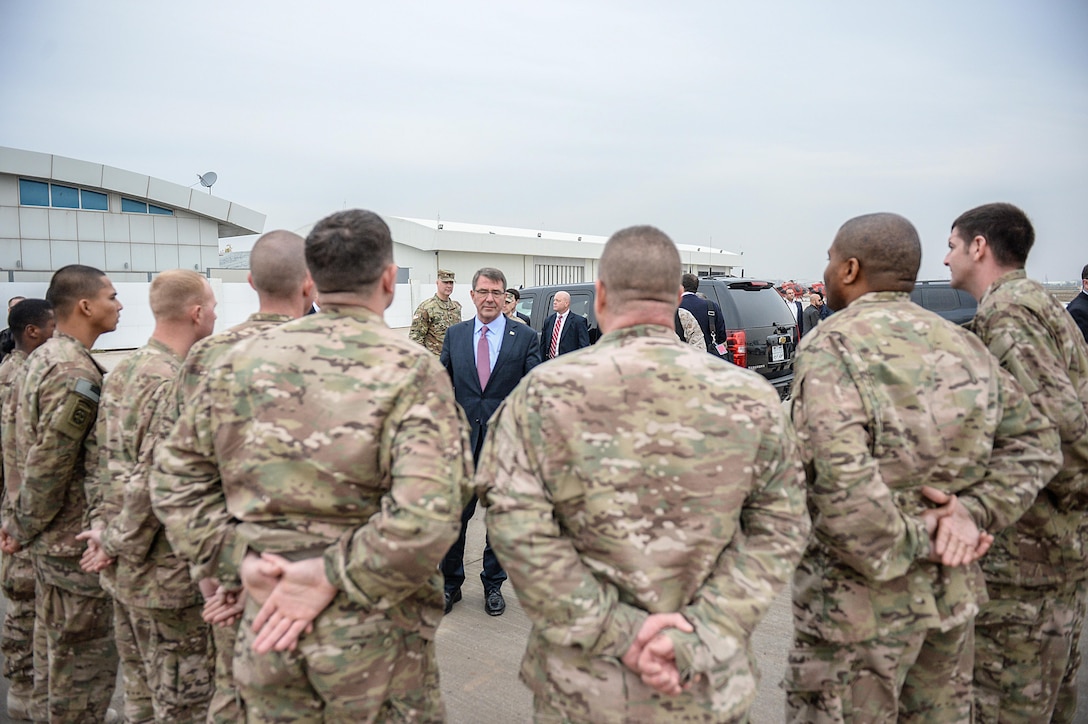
(886, 247)
(277, 264)
(641, 263)
(348, 251)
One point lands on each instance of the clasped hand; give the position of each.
(652, 655)
(955, 538)
(291, 594)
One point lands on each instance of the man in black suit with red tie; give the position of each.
(562, 331)
(486, 357)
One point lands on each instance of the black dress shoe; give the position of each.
(494, 603)
(452, 598)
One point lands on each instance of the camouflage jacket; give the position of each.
(889, 397)
(11, 374)
(1036, 340)
(431, 320)
(637, 476)
(146, 571)
(54, 436)
(327, 435)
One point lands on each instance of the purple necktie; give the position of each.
(483, 358)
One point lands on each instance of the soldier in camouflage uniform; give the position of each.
(640, 485)
(1027, 637)
(54, 436)
(285, 291)
(894, 408)
(333, 448)
(31, 324)
(163, 641)
(435, 315)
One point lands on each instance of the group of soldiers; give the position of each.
(271, 504)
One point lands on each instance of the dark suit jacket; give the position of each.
(812, 318)
(523, 317)
(1079, 309)
(575, 334)
(798, 310)
(519, 353)
(700, 307)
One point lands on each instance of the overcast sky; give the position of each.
(757, 127)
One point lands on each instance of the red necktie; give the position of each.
(483, 358)
(553, 349)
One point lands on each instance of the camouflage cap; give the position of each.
(445, 275)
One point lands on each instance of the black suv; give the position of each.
(761, 332)
(939, 297)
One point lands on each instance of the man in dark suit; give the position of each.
(1078, 307)
(707, 313)
(486, 357)
(814, 312)
(573, 332)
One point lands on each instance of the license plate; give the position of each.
(778, 353)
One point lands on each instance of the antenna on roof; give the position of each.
(207, 179)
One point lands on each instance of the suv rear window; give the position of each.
(760, 306)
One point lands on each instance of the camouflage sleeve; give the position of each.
(1026, 455)
(774, 529)
(187, 493)
(132, 531)
(566, 602)
(425, 448)
(855, 513)
(67, 403)
(421, 322)
(1026, 349)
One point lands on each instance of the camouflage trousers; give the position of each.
(923, 676)
(355, 667)
(166, 663)
(546, 712)
(226, 705)
(17, 635)
(1027, 653)
(81, 659)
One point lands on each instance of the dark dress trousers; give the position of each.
(519, 353)
(575, 334)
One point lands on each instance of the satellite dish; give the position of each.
(206, 180)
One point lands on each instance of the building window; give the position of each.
(153, 209)
(33, 193)
(93, 201)
(556, 270)
(133, 206)
(65, 197)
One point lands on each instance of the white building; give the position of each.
(56, 211)
(528, 257)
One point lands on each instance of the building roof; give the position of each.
(234, 219)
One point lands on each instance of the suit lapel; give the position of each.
(506, 351)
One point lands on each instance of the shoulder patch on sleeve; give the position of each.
(80, 410)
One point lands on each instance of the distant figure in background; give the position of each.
(435, 315)
(1078, 307)
(798, 310)
(707, 313)
(562, 331)
(510, 308)
(7, 342)
(813, 312)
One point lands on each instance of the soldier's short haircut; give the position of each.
(690, 282)
(174, 292)
(490, 273)
(347, 251)
(640, 263)
(29, 312)
(278, 264)
(887, 248)
(72, 283)
(1007, 230)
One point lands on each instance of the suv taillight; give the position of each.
(737, 341)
